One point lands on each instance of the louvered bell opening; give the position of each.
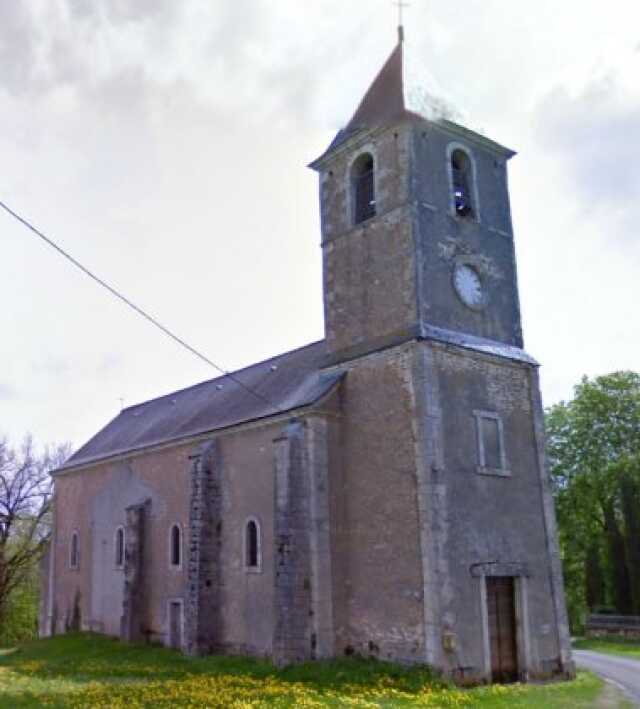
(461, 194)
(365, 196)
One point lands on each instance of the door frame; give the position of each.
(521, 606)
(180, 602)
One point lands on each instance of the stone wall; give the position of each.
(136, 575)
(203, 608)
(378, 591)
(377, 526)
(483, 519)
(442, 240)
(293, 638)
(369, 270)
(93, 502)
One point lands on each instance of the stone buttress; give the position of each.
(203, 619)
(303, 624)
(133, 604)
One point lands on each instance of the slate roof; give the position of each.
(402, 88)
(288, 381)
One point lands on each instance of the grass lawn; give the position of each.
(92, 671)
(611, 646)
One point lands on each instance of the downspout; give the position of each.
(52, 563)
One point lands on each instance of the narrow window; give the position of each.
(119, 547)
(363, 189)
(252, 545)
(491, 443)
(176, 545)
(491, 454)
(461, 180)
(74, 552)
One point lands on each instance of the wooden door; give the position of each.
(502, 628)
(175, 625)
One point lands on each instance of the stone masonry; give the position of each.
(382, 492)
(205, 526)
(293, 638)
(133, 604)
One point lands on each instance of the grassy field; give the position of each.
(93, 671)
(611, 646)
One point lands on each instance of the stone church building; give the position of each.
(381, 492)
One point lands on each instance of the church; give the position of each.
(382, 492)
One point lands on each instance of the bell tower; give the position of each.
(416, 227)
(445, 512)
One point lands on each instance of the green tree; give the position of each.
(594, 452)
(25, 500)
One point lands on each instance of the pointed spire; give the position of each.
(384, 100)
(399, 90)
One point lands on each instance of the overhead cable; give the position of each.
(132, 305)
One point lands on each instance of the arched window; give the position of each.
(252, 550)
(175, 546)
(119, 548)
(74, 551)
(363, 188)
(461, 182)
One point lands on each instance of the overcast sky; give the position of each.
(164, 145)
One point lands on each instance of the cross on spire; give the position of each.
(401, 6)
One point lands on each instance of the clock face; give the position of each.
(468, 285)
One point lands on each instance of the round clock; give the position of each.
(468, 285)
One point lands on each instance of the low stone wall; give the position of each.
(626, 626)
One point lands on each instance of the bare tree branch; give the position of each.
(25, 503)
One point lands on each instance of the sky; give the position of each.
(164, 145)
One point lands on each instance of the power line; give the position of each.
(133, 306)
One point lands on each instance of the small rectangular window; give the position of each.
(490, 441)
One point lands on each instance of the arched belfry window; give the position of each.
(175, 546)
(363, 188)
(74, 551)
(252, 546)
(462, 183)
(119, 548)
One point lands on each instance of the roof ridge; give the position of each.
(216, 379)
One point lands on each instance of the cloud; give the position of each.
(592, 135)
(19, 38)
(124, 11)
(7, 392)
(163, 143)
(235, 57)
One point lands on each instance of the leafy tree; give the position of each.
(21, 618)
(594, 451)
(25, 500)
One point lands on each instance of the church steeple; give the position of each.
(384, 100)
(416, 227)
(402, 88)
